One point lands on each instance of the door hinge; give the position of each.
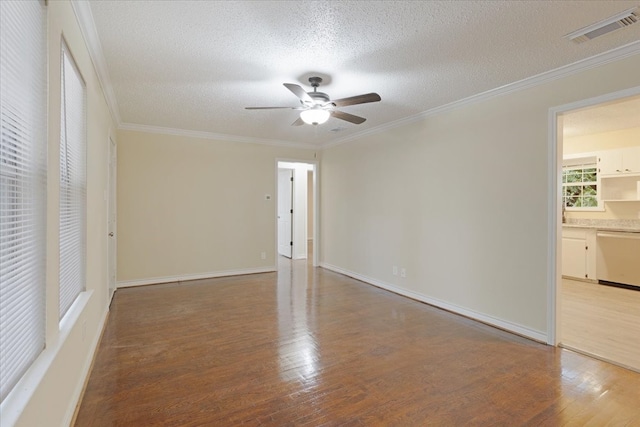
(291, 210)
(290, 243)
(291, 179)
(586, 248)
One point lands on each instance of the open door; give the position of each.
(111, 221)
(285, 212)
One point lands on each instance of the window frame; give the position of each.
(73, 188)
(580, 162)
(23, 176)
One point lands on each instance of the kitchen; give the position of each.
(599, 309)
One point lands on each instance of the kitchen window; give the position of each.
(580, 186)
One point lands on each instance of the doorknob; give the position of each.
(111, 234)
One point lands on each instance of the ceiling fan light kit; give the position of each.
(317, 107)
(315, 116)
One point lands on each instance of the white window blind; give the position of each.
(72, 182)
(23, 100)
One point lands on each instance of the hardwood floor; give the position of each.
(601, 320)
(310, 347)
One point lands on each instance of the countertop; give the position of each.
(624, 225)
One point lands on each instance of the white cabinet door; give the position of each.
(631, 160)
(610, 162)
(619, 162)
(574, 258)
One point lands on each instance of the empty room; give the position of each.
(318, 213)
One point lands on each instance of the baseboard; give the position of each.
(481, 317)
(187, 277)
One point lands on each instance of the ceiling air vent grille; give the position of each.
(621, 20)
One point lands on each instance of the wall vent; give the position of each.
(621, 20)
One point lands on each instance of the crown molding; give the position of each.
(82, 10)
(215, 136)
(548, 76)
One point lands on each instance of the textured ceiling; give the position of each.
(617, 115)
(195, 65)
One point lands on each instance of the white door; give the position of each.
(285, 211)
(111, 221)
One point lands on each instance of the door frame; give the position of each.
(316, 205)
(554, 212)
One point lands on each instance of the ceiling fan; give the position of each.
(316, 107)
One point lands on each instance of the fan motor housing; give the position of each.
(319, 97)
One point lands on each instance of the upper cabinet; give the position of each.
(619, 172)
(619, 162)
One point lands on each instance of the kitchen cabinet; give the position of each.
(619, 174)
(578, 253)
(622, 161)
(617, 188)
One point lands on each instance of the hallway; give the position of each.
(306, 346)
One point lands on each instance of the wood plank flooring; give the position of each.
(308, 347)
(601, 320)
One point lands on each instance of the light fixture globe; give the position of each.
(315, 116)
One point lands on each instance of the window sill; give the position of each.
(596, 209)
(19, 397)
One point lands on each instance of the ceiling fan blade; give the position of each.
(298, 122)
(299, 92)
(270, 108)
(348, 117)
(359, 99)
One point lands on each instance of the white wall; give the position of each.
(602, 141)
(191, 207)
(48, 393)
(459, 199)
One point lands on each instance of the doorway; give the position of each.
(111, 218)
(584, 315)
(285, 212)
(297, 210)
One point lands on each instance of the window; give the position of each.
(580, 185)
(23, 114)
(72, 182)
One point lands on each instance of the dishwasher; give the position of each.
(618, 258)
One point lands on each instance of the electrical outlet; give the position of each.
(263, 255)
(395, 270)
(403, 272)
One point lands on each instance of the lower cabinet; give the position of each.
(579, 253)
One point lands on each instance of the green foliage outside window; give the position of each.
(579, 186)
